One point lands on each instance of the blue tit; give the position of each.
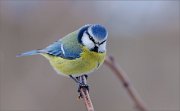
(78, 53)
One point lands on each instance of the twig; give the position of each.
(85, 95)
(122, 76)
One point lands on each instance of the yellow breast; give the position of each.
(88, 62)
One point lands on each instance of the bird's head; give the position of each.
(94, 37)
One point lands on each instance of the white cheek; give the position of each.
(87, 42)
(102, 47)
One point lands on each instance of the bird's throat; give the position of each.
(95, 49)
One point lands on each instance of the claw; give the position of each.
(82, 86)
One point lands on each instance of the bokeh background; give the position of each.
(143, 37)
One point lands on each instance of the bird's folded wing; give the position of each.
(62, 50)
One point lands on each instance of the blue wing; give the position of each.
(61, 50)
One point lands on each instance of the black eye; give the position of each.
(90, 37)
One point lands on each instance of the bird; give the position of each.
(78, 53)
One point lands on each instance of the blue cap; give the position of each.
(98, 31)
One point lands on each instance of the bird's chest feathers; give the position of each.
(91, 57)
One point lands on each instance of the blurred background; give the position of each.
(143, 37)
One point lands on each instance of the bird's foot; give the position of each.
(82, 87)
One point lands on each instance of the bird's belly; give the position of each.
(75, 67)
(87, 63)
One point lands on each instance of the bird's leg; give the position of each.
(75, 79)
(78, 80)
(83, 84)
(86, 76)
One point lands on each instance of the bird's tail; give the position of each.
(29, 53)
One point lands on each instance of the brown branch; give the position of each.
(85, 95)
(122, 76)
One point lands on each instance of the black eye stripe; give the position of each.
(91, 38)
(102, 42)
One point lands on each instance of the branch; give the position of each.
(122, 76)
(85, 95)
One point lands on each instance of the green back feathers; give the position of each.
(71, 46)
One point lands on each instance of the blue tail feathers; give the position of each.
(29, 53)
